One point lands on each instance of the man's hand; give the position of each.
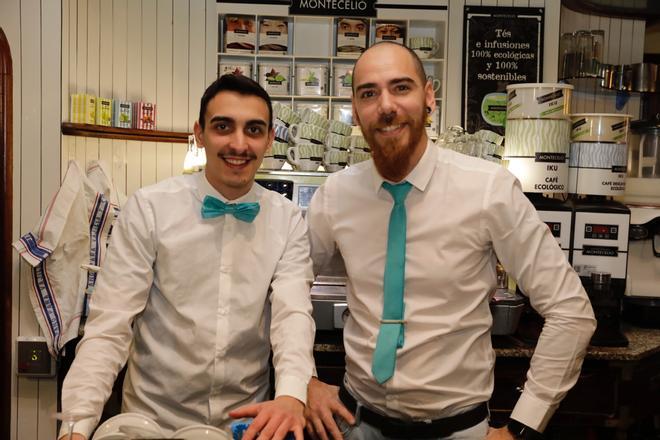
(322, 403)
(499, 434)
(75, 437)
(273, 419)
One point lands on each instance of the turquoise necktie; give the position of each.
(390, 336)
(212, 207)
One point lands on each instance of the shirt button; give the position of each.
(224, 269)
(222, 311)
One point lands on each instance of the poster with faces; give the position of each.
(351, 36)
(390, 31)
(273, 35)
(240, 34)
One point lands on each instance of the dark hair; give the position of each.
(234, 83)
(419, 67)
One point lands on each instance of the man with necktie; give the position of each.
(204, 274)
(420, 229)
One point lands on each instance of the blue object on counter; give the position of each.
(239, 427)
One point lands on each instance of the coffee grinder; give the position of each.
(600, 257)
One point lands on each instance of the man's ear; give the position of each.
(197, 130)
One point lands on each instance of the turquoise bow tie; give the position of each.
(391, 333)
(212, 207)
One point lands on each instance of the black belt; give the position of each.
(397, 428)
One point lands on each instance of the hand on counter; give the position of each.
(499, 434)
(273, 419)
(322, 404)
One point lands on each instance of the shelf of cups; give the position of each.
(258, 55)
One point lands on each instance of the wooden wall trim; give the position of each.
(6, 176)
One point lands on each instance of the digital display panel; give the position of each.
(601, 232)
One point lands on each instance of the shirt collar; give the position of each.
(204, 188)
(420, 176)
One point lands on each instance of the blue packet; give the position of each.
(239, 427)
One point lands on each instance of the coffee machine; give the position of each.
(599, 251)
(330, 309)
(641, 304)
(642, 301)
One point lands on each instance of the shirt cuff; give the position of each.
(533, 412)
(84, 427)
(292, 386)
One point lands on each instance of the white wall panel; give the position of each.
(108, 48)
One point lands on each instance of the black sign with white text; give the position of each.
(334, 8)
(501, 46)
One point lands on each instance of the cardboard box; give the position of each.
(144, 115)
(122, 114)
(104, 111)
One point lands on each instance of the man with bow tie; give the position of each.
(204, 274)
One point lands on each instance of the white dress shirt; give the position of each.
(462, 213)
(206, 298)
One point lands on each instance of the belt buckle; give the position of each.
(397, 428)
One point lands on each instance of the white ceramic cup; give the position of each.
(335, 160)
(424, 47)
(335, 140)
(305, 156)
(340, 127)
(435, 82)
(358, 156)
(303, 133)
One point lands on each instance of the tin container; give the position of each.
(600, 127)
(538, 101)
(312, 79)
(275, 78)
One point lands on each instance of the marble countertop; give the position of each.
(643, 343)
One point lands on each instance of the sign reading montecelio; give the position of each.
(334, 8)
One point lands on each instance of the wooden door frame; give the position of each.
(6, 176)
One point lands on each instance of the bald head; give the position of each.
(389, 49)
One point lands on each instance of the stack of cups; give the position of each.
(283, 117)
(306, 138)
(336, 146)
(598, 154)
(537, 136)
(360, 150)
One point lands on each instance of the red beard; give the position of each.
(392, 156)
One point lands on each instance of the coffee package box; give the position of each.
(83, 108)
(104, 111)
(351, 36)
(144, 115)
(394, 32)
(240, 34)
(122, 112)
(273, 36)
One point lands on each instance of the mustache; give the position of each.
(387, 119)
(230, 152)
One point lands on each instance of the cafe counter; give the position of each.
(618, 386)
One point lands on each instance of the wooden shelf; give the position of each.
(130, 134)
